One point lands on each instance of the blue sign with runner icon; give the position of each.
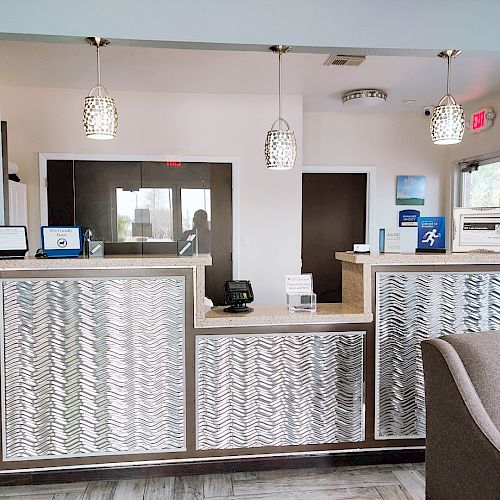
(432, 233)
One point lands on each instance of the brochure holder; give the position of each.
(301, 302)
(299, 293)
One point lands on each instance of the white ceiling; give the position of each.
(422, 79)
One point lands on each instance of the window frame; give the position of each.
(43, 157)
(461, 177)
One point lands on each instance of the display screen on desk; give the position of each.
(13, 241)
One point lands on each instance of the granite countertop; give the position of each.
(422, 259)
(115, 261)
(280, 316)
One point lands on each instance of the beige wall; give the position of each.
(49, 120)
(395, 144)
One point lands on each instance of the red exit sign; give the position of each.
(482, 120)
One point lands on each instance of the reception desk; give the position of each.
(117, 360)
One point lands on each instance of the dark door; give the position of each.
(333, 219)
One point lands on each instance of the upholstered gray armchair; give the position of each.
(462, 392)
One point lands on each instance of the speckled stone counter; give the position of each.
(356, 270)
(355, 309)
(279, 315)
(111, 262)
(419, 259)
(126, 262)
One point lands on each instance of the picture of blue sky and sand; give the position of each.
(410, 190)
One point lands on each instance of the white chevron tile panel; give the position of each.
(413, 307)
(279, 389)
(93, 366)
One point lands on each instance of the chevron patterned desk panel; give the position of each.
(93, 366)
(412, 307)
(279, 389)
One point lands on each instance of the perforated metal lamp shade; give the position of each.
(448, 122)
(100, 117)
(280, 149)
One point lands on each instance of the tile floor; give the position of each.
(403, 481)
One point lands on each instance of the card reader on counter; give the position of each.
(237, 295)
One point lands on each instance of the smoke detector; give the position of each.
(364, 97)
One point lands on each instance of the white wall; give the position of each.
(49, 120)
(396, 144)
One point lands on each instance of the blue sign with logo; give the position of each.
(408, 218)
(61, 241)
(431, 233)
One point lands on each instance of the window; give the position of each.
(191, 201)
(480, 184)
(143, 207)
(144, 215)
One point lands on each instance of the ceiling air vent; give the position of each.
(337, 60)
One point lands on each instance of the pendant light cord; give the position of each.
(448, 77)
(279, 85)
(98, 71)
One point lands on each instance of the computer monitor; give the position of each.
(13, 242)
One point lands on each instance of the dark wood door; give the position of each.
(333, 219)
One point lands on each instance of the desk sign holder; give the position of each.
(389, 240)
(13, 242)
(299, 293)
(431, 235)
(61, 241)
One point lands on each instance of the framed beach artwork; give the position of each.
(410, 190)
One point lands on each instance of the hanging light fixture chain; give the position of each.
(279, 86)
(448, 76)
(98, 70)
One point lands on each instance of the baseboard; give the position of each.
(369, 457)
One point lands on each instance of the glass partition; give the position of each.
(146, 207)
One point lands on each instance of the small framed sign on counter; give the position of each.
(476, 230)
(431, 234)
(61, 241)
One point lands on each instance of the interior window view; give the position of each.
(249, 251)
(481, 184)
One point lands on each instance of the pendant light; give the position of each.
(280, 149)
(448, 120)
(100, 118)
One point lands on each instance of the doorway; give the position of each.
(334, 217)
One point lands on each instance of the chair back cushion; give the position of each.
(480, 355)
